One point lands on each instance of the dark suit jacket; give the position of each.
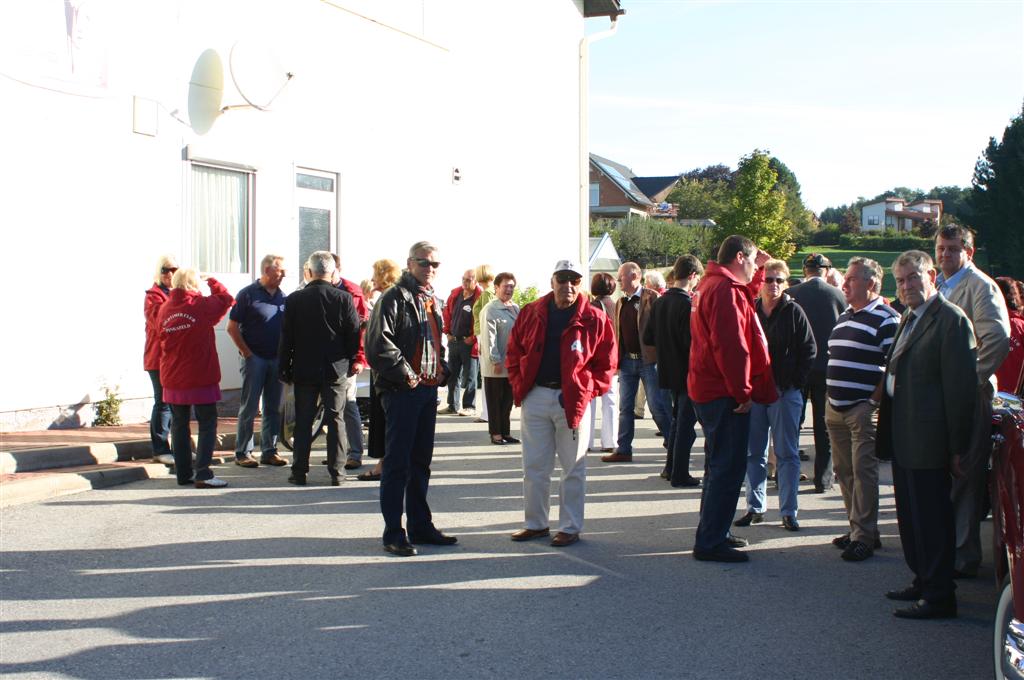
(929, 417)
(822, 303)
(319, 335)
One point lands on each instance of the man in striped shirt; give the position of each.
(856, 365)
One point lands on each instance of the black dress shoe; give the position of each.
(790, 523)
(736, 541)
(923, 609)
(433, 538)
(335, 480)
(510, 440)
(908, 594)
(297, 480)
(400, 549)
(665, 474)
(748, 519)
(688, 483)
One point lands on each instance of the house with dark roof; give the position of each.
(616, 192)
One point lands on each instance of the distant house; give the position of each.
(899, 214)
(613, 194)
(603, 255)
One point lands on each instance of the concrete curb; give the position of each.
(42, 486)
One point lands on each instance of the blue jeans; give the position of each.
(681, 438)
(631, 372)
(405, 472)
(259, 378)
(353, 421)
(464, 367)
(160, 418)
(781, 421)
(725, 453)
(181, 435)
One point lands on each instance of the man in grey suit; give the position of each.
(924, 425)
(822, 303)
(977, 295)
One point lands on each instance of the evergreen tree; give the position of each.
(997, 200)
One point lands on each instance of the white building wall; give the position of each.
(876, 211)
(390, 107)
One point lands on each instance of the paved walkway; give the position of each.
(266, 580)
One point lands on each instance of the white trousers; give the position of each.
(546, 435)
(609, 403)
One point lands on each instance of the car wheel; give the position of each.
(1008, 664)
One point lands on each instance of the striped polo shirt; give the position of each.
(857, 348)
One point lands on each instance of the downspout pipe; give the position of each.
(584, 142)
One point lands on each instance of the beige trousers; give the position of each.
(852, 433)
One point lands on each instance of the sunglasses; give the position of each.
(168, 270)
(568, 277)
(424, 262)
(770, 279)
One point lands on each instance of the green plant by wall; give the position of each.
(524, 296)
(108, 409)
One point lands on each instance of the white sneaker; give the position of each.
(165, 458)
(467, 412)
(211, 483)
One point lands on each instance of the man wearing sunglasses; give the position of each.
(403, 346)
(554, 386)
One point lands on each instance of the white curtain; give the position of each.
(220, 220)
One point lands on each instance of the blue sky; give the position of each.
(855, 97)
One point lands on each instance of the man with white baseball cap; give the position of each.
(554, 388)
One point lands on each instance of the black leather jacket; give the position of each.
(393, 333)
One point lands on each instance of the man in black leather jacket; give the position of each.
(403, 346)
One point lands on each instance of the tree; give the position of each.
(700, 198)
(997, 199)
(757, 207)
(712, 173)
(849, 223)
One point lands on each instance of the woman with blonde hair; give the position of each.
(160, 418)
(484, 279)
(385, 275)
(190, 370)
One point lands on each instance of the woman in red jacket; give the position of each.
(160, 419)
(190, 370)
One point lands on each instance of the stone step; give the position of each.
(36, 486)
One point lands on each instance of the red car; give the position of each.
(1007, 494)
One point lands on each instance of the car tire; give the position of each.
(1004, 615)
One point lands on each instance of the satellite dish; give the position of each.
(258, 73)
(205, 91)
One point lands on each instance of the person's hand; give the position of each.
(744, 407)
(355, 368)
(954, 468)
(451, 338)
(469, 340)
(761, 257)
(412, 381)
(246, 353)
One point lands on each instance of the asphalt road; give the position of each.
(267, 580)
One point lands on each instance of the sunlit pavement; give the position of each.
(267, 580)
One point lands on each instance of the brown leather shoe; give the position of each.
(247, 462)
(563, 539)
(275, 460)
(527, 534)
(617, 458)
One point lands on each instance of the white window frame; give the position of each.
(191, 161)
(317, 199)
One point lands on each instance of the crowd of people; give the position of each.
(730, 345)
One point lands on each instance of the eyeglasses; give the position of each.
(568, 277)
(424, 262)
(168, 270)
(772, 279)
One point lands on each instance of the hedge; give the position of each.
(898, 242)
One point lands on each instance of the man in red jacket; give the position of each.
(729, 371)
(561, 354)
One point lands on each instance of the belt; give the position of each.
(551, 385)
(633, 355)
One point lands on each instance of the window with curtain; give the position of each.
(220, 219)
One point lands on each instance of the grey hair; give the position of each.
(269, 260)
(872, 268)
(654, 279)
(425, 247)
(918, 259)
(185, 279)
(321, 264)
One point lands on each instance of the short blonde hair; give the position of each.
(484, 274)
(185, 279)
(777, 266)
(164, 261)
(386, 273)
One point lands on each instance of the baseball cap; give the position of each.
(568, 266)
(817, 261)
